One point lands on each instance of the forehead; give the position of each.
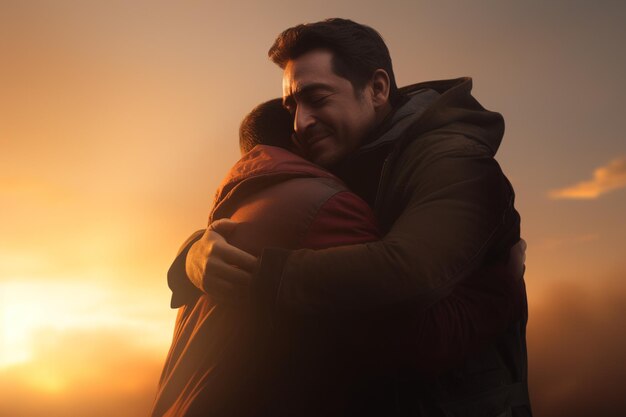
(314, 67)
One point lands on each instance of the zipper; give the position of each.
(401, 142)
(378, 202)
(384, 174)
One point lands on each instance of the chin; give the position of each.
(326, 161)
(319, 159)
(325, 154)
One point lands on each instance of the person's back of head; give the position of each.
(358, 50)
(268, 123)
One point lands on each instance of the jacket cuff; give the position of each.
(183, 291)
(265, 286)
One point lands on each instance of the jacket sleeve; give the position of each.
(455, 206)
(469, 318)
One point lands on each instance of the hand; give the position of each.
(218, 268)
(517, 259)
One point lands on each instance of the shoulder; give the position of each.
(304, 191)
(433, 161)
(344, 219)
(448, 165)
(280, 213)
(430, 147)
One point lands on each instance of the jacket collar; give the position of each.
(401, 118)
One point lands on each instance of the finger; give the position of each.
(230, 254)
(229, 273)
(224, 227)
(515, 264)
(195, 263)
(518, 251)
(226, 292)
(522, 247)
(239, 258)
(523, 243)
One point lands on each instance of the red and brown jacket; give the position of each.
(221, 359)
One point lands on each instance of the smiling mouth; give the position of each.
(315, 139)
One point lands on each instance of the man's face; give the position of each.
(331, 119)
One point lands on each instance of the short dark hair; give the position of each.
(358, 50)
(268, 123)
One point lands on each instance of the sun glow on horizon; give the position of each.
(31, 308)
(119, 119)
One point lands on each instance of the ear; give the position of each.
(380, 88)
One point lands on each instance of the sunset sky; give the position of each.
(118, 120)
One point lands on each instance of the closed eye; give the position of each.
(318, 101)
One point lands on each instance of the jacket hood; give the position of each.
(439, 104)
(263, 166)
(456, 108)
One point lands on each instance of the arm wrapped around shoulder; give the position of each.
(452, 213)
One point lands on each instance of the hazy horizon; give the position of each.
(118, 121)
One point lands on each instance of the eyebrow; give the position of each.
(303, 90)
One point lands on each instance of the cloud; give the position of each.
(576, 348)
(605, 179)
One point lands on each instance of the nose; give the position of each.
(303, 120)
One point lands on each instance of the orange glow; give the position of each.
(44, 381)
(119, 119)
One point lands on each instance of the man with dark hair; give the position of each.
(423, 158)
(358, 50)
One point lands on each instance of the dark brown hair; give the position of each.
(268, 123)
(358, 50)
